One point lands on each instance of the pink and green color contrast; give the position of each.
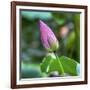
(48, 38)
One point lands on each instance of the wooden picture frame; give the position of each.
(15, 7)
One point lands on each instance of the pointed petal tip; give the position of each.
(40, 21)
(42, 25)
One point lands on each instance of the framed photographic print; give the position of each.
(48, 44)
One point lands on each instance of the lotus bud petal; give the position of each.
(48, 38)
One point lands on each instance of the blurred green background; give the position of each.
(65, 25)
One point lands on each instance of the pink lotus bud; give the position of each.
(48, 38)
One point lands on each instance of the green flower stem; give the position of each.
(62, 70)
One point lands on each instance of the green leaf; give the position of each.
(45, 63)
(62, 65)
(69, 65)
(55, 66)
